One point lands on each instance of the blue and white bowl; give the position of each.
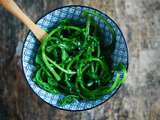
(31, 45)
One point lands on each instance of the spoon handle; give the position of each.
(12, 7)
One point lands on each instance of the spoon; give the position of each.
(12, 7)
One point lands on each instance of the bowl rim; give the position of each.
(85, 6)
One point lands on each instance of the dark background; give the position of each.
(138, 99)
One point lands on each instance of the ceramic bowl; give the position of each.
(31, 45)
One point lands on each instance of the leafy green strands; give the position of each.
(110, 47)
(68, 99)
(62, 69)
(70, 61)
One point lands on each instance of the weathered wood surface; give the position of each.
(138, 99)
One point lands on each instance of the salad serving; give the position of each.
(74, 60)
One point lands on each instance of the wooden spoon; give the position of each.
(12, 7)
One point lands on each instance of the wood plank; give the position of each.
(138, 99)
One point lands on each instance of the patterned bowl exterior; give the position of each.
(31, 45)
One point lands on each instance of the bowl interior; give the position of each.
(31, 45)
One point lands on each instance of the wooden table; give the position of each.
(138, 99)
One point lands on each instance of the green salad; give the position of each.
(74, 60)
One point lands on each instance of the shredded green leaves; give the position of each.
(71, 60)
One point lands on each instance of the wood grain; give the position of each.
(13, 8)
(138, 99)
